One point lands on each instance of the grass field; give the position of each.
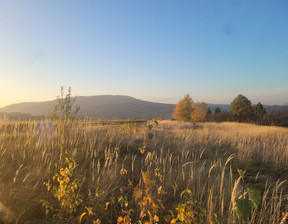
(130, 172)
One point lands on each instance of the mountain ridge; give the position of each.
(100, 107)
(109, 107)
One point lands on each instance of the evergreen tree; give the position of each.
(241, 109)
(259, 112)
(209, 112)
(217, 110)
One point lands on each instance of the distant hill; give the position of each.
(32, 108)
(223, 107)
(108, 107)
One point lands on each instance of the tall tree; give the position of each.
(241, 109)
(199, 112)
(183, 109)
(259, 112)
(209, 111)
(217, 110)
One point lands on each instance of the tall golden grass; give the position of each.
(203, 158)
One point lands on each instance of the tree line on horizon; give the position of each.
(241, 110)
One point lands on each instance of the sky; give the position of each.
(151, 50)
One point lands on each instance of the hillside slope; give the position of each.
(101, 107)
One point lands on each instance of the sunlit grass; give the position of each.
(203, 158)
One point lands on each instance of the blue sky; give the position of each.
(152, 50)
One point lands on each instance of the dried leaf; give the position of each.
(146, 178)
(137, 193)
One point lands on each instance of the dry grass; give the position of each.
(203, 158)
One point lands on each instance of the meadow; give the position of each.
(138, 172)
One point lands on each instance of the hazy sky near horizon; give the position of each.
(151, 50)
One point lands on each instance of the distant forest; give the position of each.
(241, 110)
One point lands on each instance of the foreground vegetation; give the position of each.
(146, 173)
